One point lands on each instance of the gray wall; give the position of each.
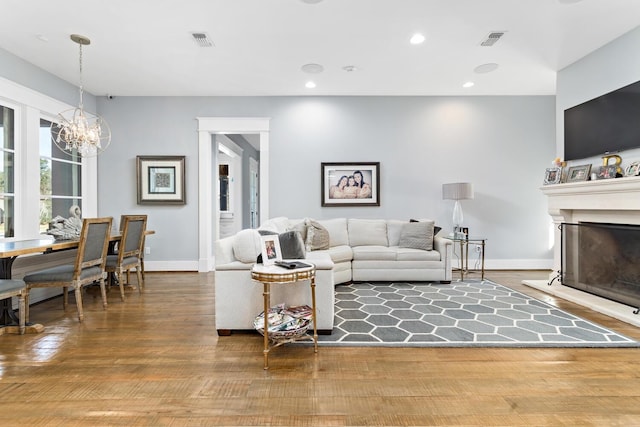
(613, 66)
(501, 144)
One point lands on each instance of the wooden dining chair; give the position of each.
(129, 254)
(15, 288)
(89, 266)
(141, 248)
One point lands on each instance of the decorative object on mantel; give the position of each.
(76, 131)
(161, 180)
(633, 169)
(607, 172)
(457, 191)
(617, 161)
(552, 175)
(578, 173)
(66, 228)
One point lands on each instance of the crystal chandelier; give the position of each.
(76, 131)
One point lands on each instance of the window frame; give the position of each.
(29, 107)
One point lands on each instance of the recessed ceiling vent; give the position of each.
(492, 38)
(202, 39)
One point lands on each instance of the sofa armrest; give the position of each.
(442, 245)
(224, 251)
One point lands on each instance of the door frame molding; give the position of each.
(207, 158)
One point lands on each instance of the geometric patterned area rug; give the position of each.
(472, 313)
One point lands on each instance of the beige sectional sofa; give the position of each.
(342, 249)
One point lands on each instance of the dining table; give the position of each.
(10, 250)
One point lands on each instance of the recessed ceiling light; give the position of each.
(350, 68)
(486, 68)
(310, 1)
(310, 85)
(312, 68)
(417, 38)
(468, 84)
(42, 38)
(569, 1)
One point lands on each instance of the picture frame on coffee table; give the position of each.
(633, 169)
(578, 173)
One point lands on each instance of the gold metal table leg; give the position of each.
(266, 293)
(313, 314)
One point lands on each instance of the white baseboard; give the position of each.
(171, 265)
(509, 264)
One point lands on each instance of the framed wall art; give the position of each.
(552, 175)
(578, 173)
(350, 184)
(160, 180)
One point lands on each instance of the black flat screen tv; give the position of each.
(604, 125)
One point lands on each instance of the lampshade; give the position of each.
(457, 191)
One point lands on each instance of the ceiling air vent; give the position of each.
(492, 38)
(202, 39)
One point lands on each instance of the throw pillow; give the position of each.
(417, 235)
(317, 236)
(301, 228)
(291, 244)
(436, 229)
(246, 245)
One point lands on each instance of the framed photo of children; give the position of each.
(270, 248)
(350, 184)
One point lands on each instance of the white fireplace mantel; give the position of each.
(608, 200)
(614, 201)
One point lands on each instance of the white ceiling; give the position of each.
(144, 47)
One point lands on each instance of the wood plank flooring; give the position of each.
(155, 360)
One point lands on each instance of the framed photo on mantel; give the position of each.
(578, 173)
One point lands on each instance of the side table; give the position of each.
(273, 274)
(464, 243)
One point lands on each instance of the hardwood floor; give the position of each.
(155, 360)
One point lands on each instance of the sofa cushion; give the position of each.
(340, 253)
(408, 254)
(374, 253)
(394, 228)
(365, 232)
(417, 235)
(246, 245)
(337, 229)
(278, 224)
(317, 236)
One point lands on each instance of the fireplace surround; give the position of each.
(611, 201)
(602, 259)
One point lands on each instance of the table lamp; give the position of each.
(457, 191)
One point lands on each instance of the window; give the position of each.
(60, 179)
(7, 165)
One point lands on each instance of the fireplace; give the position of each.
(602, 259)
